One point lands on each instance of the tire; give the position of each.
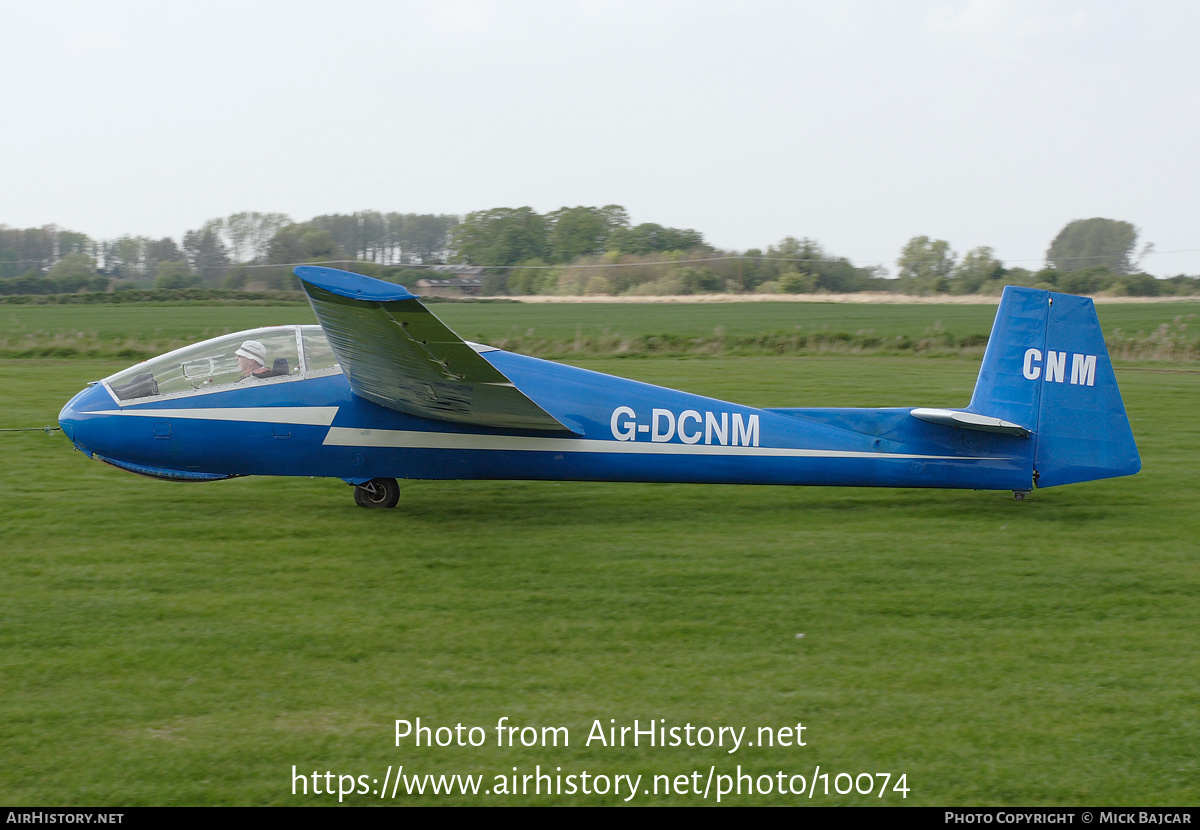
(378, 492)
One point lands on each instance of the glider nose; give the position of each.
(73, 417)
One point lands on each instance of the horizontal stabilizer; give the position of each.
(396, 353)
(969, 420)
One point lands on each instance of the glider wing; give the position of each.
(397, 354)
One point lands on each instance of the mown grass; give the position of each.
(187, 644)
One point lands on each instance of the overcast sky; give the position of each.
(859, 124)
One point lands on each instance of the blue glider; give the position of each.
(382, 390)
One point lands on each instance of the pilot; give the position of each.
(252, 360)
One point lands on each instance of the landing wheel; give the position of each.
(378, 492)
(1020, 495)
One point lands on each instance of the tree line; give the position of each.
(570, 251)
(1088, 256)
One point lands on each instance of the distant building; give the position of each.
(459, 281)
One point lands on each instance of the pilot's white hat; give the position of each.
(253, 350)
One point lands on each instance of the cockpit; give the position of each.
(269, 355)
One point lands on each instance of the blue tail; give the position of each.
(1047, 369)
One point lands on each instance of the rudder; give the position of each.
(1047, 368)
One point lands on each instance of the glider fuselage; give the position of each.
(624, 431)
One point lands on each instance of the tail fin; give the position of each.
(1047, 369)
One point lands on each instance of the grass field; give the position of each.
(188, 644)
(1165, 331)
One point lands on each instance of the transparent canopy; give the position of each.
(269, 355)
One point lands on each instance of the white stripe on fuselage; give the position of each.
(411, 439)
(317, 416)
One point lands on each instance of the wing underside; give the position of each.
(396, 353)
